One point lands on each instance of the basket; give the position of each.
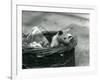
(49, 57)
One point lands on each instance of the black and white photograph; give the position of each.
(55, 39)
(50, 40)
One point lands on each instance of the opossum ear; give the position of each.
(60, 32)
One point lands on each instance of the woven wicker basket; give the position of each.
(49, 57)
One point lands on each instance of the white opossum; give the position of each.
(61, 37)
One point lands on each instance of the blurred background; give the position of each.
(54, 21)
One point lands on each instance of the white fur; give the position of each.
(35, 45)
(54, 42)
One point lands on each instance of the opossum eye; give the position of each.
(64, 38)
(69, 37)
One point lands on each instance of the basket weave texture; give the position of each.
(50, 57)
